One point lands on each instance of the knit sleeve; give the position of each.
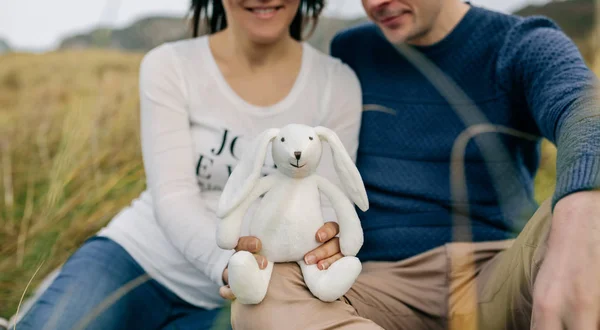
(545, 69)
(340, 46)
(167, 151)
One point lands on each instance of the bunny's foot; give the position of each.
(248, 282)
(330, 284)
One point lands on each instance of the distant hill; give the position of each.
(575, 17)
(140, 36)
(327, 28)
(4, 47)
(150, 32)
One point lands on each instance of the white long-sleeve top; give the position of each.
(194, 129)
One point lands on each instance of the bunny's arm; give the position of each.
(343, 108)
(229, 228)
(351, 234)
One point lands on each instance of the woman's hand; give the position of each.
(329, 251)
(252, 245)
(323, 256)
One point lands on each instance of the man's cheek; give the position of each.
(370, 8)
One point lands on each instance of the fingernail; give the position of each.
(324, 265)
(322, 236)
(310, 260)
(255, 246)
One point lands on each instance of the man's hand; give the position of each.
(327, 253)
(567, 288)
(252, 245)
(323, 256)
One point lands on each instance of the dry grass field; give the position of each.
(69, 156)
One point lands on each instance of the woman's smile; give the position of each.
(265, 12)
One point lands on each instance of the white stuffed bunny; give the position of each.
(289, 215)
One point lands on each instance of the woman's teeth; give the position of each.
(264, 11)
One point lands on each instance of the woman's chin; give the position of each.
(267, 37)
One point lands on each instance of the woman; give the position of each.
(156, 265)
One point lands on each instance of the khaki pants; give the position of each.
(458, 286)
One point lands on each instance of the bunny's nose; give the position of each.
(297, 154)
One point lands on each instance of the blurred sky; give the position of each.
(41, 24)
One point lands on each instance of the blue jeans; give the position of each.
(87, 282)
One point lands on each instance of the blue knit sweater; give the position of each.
(522, 75)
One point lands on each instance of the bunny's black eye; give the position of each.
(310, 138)
(282, 139)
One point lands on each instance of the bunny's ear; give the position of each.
(246, 174)
(345, 167)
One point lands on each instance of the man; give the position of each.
(455, 94)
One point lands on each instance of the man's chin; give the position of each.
(395, 37)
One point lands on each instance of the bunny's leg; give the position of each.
(332, 283)
(248, 282)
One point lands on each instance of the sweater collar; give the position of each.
(457, 35)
